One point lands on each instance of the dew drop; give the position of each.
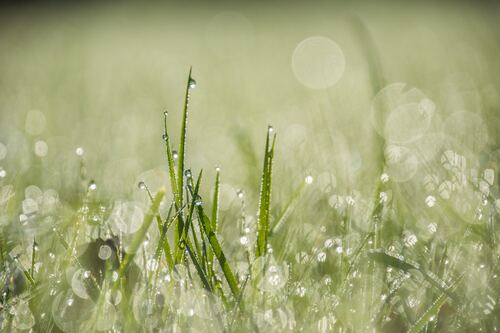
(244, 240)
(187, 173)
(301, 291)
(321, 256)
(410, 239)
(165, 113)
(217, 169)
(41, 148)
(175, 154)
(240, 194)
(104, 252)
(309, 180)
(141, 185)
(328, 243)
(270, 129)
(192, 83)
(198, 201)
(383, 197)
(79, 151)
(430, 201)
(384, 178)
(92, 186)
(3, 173)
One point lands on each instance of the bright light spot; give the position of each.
(244, 240)
(79, 151)
(318, 62)
(41, 148)
(104, 252)
(430, 201)
(309, 180)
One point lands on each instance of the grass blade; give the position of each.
(433, 311)
(265, 195)
(219, 254)
(183, 139)
(140, 234)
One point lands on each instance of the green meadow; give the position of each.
(258, 167)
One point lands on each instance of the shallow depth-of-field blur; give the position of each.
(384, 201)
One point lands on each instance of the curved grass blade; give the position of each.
(289, 207)
(400, 262)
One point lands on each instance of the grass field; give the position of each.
(250, 168)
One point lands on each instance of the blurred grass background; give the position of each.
(102, 74)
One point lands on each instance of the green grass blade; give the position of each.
(163, 242)
(289, 207)
(184, 234)
(405, 264)
(198, 267)
(265, 196)
(219, 254)
(140, 234)
(433, 310)
(215, 204)
(171, 164)
(215, 222)
(183, 139)
(392, 260)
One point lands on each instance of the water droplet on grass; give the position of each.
(410, 239)
(192, 83)
(430, 201)
(244, 240)
(104, 252)
(309, 180)
(3, 173)
(328, 243)
(141, 185)
(79, 151)
(321, 256)
(92, 186)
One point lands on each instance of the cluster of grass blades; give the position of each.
(291, 270)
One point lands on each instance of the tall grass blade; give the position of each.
(265, 196)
